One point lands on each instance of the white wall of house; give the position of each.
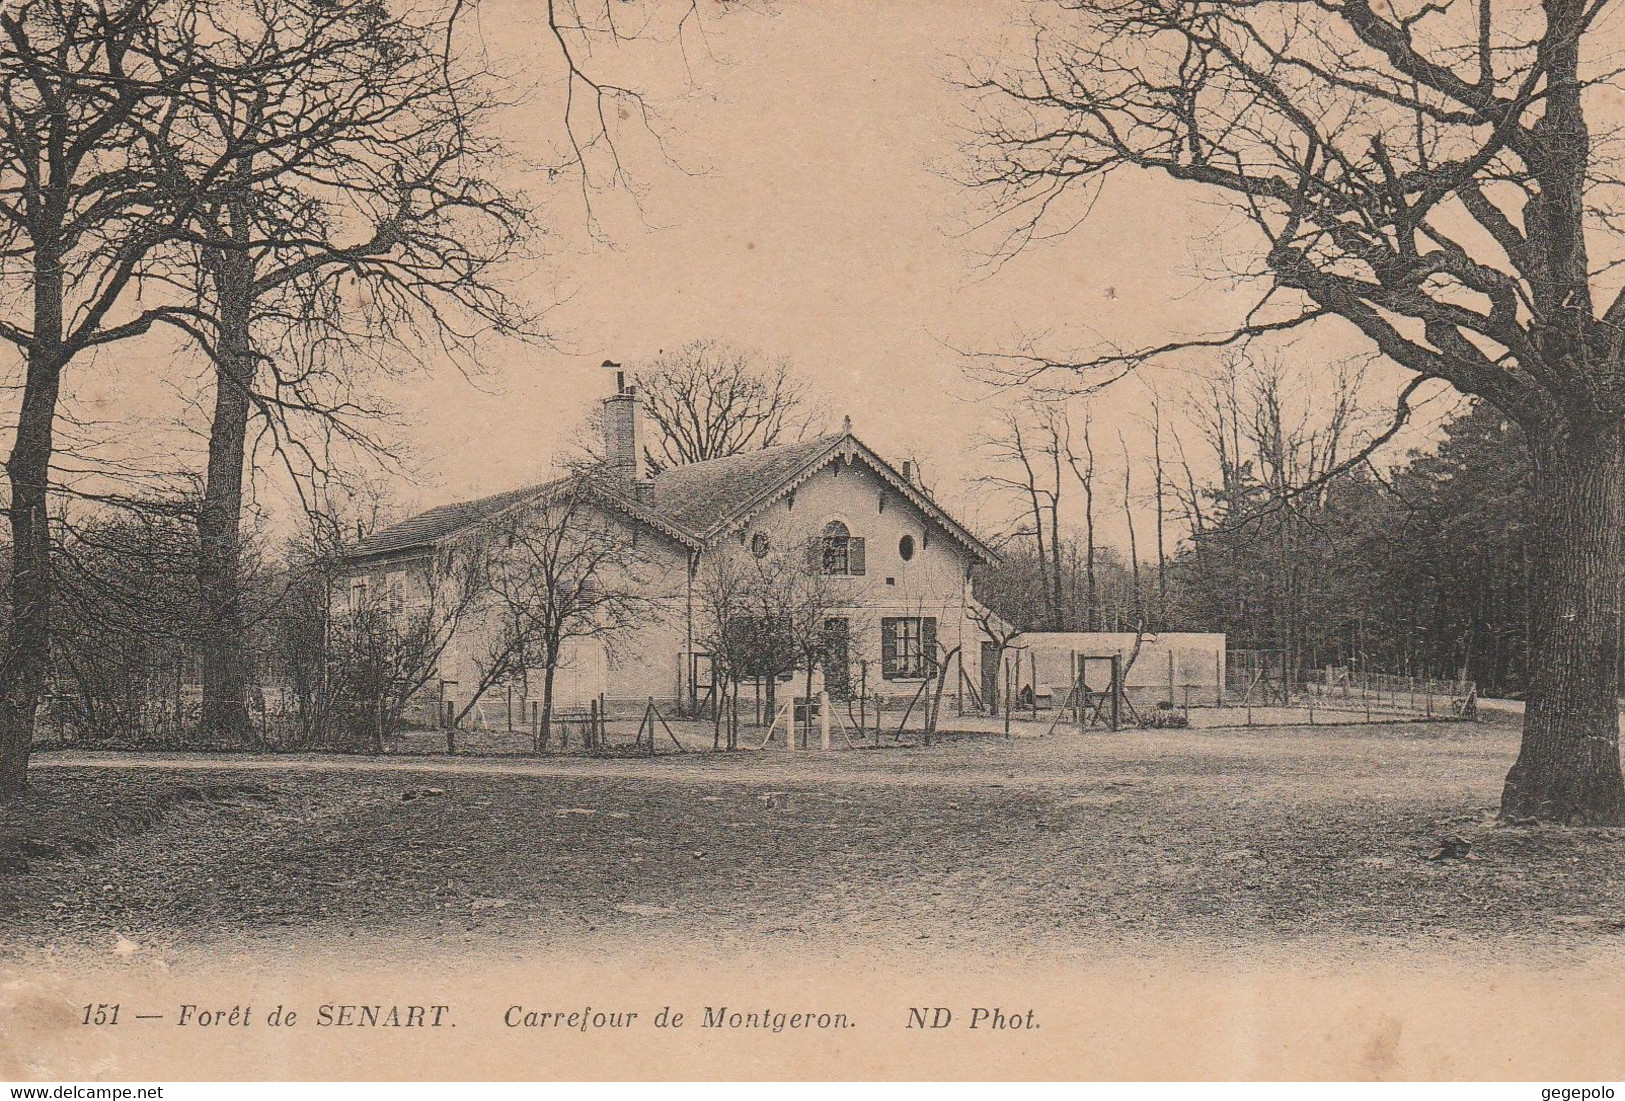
(932, 583)
(912, 570)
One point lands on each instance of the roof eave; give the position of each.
(838, 446)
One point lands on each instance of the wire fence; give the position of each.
(1252, 688)
(1262, 684)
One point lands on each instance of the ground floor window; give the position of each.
(908, 647)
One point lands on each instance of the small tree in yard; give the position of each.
(386, 646)
(810, 603)
(1428, 176)
(123, 636)
(297, 627)
(765, 611)
(743, 636)
(560, 572)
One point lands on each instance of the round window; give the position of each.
(905, 547)
(760, 545)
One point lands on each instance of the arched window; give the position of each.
(837, 548)
(837, 552)
(905, 547)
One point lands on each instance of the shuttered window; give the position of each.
(908, 647)
(840, 553)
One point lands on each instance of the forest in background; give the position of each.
(1269, 522)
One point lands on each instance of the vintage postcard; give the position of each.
(768, 540)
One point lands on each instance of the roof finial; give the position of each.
(846, 425)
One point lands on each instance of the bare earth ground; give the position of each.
(1049, 848)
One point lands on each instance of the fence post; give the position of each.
(1080, 686)
(1007, 694)
(1118, 691)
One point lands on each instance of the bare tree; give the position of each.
(1159, 480)
(999, 631)
(354, 208)
(708, 400)
(124, 620)
(1084, 470)
(1133, 542)
(562, 571)
(765, 610)
(87, 92)
(810, 602)
(1426, 174)
(1032, 442)
(722, 609)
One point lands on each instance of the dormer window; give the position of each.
(842, 554)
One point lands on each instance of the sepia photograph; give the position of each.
(745, 540)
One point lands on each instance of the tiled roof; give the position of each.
(691, 503)
(702, 497)
(427, 528)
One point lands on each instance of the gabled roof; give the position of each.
(428, 528)
(704, 497)
(724, 494)
(692, 504)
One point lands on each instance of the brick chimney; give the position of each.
(623, 433)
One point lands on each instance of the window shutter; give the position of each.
(854, 556)
(928, 646)
(888, 648)
(815, 556)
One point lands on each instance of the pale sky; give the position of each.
(815, 220)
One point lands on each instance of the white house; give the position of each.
(896, 565)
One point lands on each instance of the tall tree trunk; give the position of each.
(1092, 600)
(1133, 542)
(28, 643)
(1060, 615)
(1162, 541)
(27, 651)
(223, 648)
(1568, 768)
